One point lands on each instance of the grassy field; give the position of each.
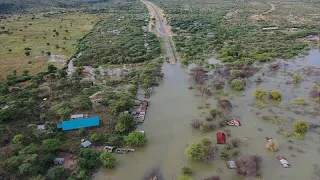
(42, 33)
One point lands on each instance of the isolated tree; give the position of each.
(48, 44)
(25, 73)
(136, 139)
(9, 50)
(108, 160)
(125, 123)
(196, 151)
(27, 53)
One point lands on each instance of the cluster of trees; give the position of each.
(119, 39)
(201, 31)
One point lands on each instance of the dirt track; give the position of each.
(162, 29)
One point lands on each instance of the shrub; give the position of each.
(108, 160)
(186, 171)
(224, 155)
(297, 78)
(275, 95)
(95, 137)
(206, 142)
(18, 139)
(259, 93)
(235, 142)
(58, 172)
(196, 151)
(238, 84)
(300, 127)
(88, 159)
(300, 101)
(51, 144)
(81, 132)
(249, 165)
(196, 123)
(136, 139)
(215, 112)
(184, 177)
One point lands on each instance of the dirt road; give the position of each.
(161, 29)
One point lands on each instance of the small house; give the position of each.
(58, 161)
(86, 144)
(77, 116)
(270, 28)
(221, 138)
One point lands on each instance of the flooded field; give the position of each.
(173, 107)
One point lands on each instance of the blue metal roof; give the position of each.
(79, 123)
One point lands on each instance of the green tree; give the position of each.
(125, 123)
(196, 151)
(238, 84)
(301, 127)
(88, 159)
(58, 173)
(136, 139)
(51, 144)
(275, 95)
(82, 102)
(62, 73)
(83, 175)
(95, 137)
(259, 93)
(18, 139)
(108, 160)
(51, 68)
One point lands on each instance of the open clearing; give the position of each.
(41, 33)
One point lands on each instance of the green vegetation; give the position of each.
(275, 95)
(196, 151)
(120, 39)
(125, 123)
(136, 139)
(301, 127)
(297, 78)
(108, 160)
(259, 93)
(300, 101)
(234, 30)
(238, 84)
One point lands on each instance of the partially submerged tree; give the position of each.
(249, 166)
(108, 160)
(125, 123)
(136, 139)
(200, 76)
(225, 105)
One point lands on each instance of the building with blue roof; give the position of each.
(79, 123)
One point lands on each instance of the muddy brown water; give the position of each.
(168, 130)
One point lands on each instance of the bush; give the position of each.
(186, 171)
(136, 139)
(206, 142)
(18, 139)
(108, 160)
(301, 127)
(196, 123)
(88, 159)
(95, 137)
(259, 93)
(51, 144)
(300, 101)
(224, 155)
(275, 95)
(196, 151)
(215, 112)
(238, 84)
(297, 78)
(58, 172)
(184, 177)
(81, 132)
(115, 140)
(235, 142)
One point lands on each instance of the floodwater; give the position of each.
(168, 130)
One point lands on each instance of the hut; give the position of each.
(221, 138)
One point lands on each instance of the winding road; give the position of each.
(162, 29)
